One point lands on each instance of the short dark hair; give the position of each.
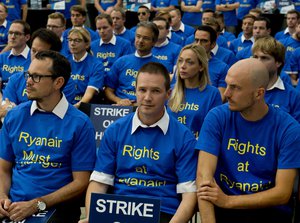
(159, 18)
(26, 26)
(152, 26)
(61, 67)
(156, 68)
(104, 16)
(262, 18)
(49, 37)
(210, 30)
(78, 8)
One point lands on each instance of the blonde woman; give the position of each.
(87, 71)
(193, 96)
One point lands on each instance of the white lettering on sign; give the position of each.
(119, 112)
(125, 208)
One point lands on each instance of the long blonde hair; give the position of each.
(178, 96)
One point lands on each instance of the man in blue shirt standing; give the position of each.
(47, 146)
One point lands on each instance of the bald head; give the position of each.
(253, 70)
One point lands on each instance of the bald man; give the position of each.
(249, 152)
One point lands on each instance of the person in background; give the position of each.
(178, 27)
(107, 6)
(292, 19)
(4, 26)
(193, 96)
(173, 163)
(163, 5)
(191, 12)
(16, 9)
(164, 50)
(228, 9)
(120, 81)
(86, 70)
(143, 14)
(110, 47)
(18, 58)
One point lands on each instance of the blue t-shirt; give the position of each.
(226, 56)
(191, 18)
(86, 73)
(245, 7)
(244, 53)
(163, 3)
(237, 45)
(15, 89)
(281, 35)
(188, 31)
(11, 64)
(109, 53)
(293, 65)
(230, 18)
(217, 72)
(123, 73)
(196, 106)
(45, 149)
(148, 163)
(249, 153)
(68, 5)
(4, 34)
(167, 55)
(107, 3)
(287, 100)
(14, 8)
(290, 45)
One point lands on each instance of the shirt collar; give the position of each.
(215, 49)
(137, 55)
(122, 32)
(25, 53)
(163, 43)
(181, 28)
(169, 35)
(4, 24)
(112, 41)
(163, 123)
(82, 58)
(286, 31)
(60, 109)
(278, 84)
(243, 39)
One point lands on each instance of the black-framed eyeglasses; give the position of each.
(143, 13)
(17, 34)
(36, 78)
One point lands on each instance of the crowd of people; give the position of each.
(216, 129)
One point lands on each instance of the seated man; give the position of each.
(164, 152)
(249, 153)
(120, 81)
(47, 147)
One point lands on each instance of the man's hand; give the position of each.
(4, 206)
(125, 102)
(21, 210)
(5, 107)
(210, 191)
(86, 220)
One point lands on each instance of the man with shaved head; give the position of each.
(249, 153)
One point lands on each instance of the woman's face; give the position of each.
(188, 65)
(77, 44)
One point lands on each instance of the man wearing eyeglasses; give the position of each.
(41, 164)
(15, 91)
(143, 14)
(18, 58)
